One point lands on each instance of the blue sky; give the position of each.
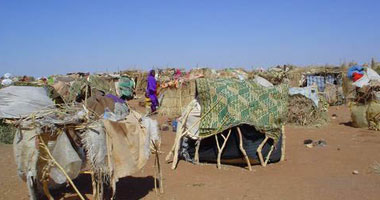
(54, 37)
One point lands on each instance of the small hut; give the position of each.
(233, 122)
(174, 99)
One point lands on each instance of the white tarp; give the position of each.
(309, 92)
(370, 75)
(262, 81)
(19, 101)
(190, 119)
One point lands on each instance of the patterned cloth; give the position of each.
(227, 103)
(320, 81)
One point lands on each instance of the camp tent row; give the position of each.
(223, 120)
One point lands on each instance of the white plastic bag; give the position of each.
(67, 157)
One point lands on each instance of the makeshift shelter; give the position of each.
(365, 107)
(307, 107)
(253, 114)
(102, 138)
(328, 79)
(174, 99)
(140, 78)
(75, 90)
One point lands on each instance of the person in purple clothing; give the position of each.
(151, 90)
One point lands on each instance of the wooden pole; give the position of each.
(220, 150)
(196, 156)
(43, 145)
(283, 144)
(242, 149)
(268, 156)
(259, 149)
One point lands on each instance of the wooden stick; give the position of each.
(283, 144)
(46, 190)
(219, 165)
(259, 149)
(155, 176)
(268, 156)
(242, 149)
(196, 156)
(93, 182)
(178, 134)
(60, 167)
(220, 150)
(85, 98)
(157, 165)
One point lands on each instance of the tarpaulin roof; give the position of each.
(19, 101)
(227, 103)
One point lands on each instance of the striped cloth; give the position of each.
(320, 81)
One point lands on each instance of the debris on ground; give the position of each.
(376, 168)
(165, 127)
(310, 143)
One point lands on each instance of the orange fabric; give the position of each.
(356, 76)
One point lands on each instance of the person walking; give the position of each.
(151, 90)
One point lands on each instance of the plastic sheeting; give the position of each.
(191, 117)
(262, 81)
(6, 82)
(370, 75)
(308, 92)
(19, 101)
(67, 157)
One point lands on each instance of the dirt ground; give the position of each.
(308, 173)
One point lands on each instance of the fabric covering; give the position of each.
(308, 92)
(99, 103)
(373, 112)
(320, 81)
(63, 89)
(356, 68)
(126, 86)
(19, 101)
(359, 115)
(262, 81)
(227, 103)
(190, 118)
(127, 145)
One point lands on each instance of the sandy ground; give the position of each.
(316, 173)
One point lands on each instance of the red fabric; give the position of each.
(356, 76)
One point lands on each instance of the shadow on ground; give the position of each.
(347, 124)
(126, 188)
(134, 187)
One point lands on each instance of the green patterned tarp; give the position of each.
(227, 103)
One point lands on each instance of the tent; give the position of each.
(231, 119)
(53, 146)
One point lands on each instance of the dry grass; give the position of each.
(376, 168)
(7, 133)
